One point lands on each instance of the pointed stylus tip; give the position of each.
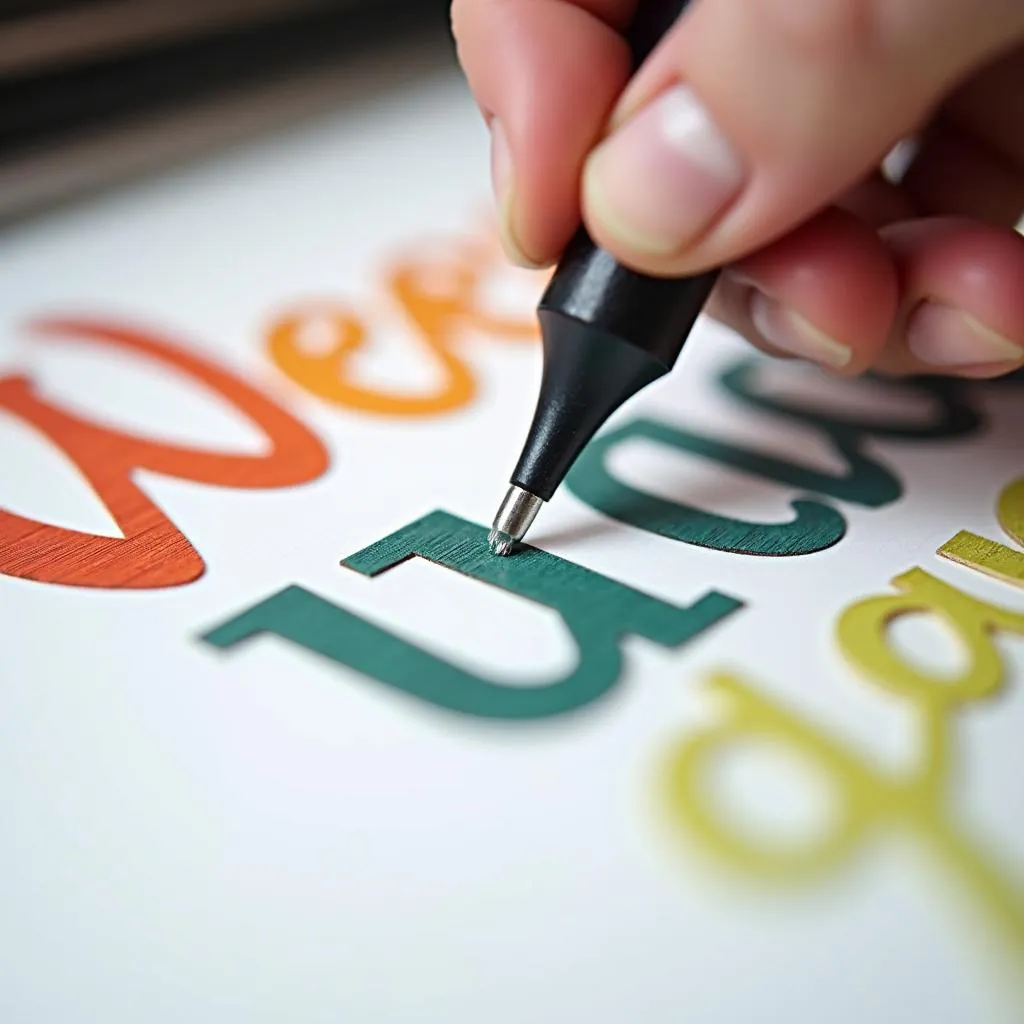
(500, 543)
(517, 512)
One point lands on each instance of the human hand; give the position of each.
(825, 259)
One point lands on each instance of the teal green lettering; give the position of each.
(870, 484)
(598, 612)
(816, 525)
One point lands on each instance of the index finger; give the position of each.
(546, 75)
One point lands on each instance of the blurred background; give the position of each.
(95, 91)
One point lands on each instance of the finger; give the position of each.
(546, 74)
(826, 294)
(755, 114)
(961, 302)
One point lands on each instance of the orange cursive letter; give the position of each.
(153, 552)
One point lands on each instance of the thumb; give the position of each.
(752, 115)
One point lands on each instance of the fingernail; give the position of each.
(790, 332)
(657, 182)
(944, 336)
(502, 184)
(501, 161)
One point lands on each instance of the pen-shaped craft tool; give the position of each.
(607, 333)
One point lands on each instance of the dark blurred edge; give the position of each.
(40, 35)
(38, 109)
(94, 125)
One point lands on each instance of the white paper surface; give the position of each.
(264, 835)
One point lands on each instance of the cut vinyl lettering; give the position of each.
(598, 612)
(817, 525)
(153, 552)
(868, 798)
(438, 300)
(989, 556)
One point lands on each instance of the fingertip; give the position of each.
(503, 186)
(970, 264)
(937, 335)
(749, 118)
(962, 303)
(547, 76)
(826, 293)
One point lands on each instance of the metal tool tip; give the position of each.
(500, 543)
(514, 517)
